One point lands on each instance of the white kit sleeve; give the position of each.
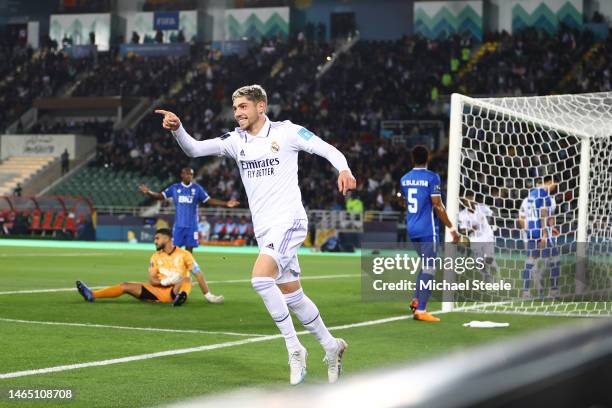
(333, 155)
(197, 148)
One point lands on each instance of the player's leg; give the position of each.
(308, 314)
(428, 252)
(530, 271)
(180, 291)
(263, 280)
(179, 236)
(491, 267)
(191, 239)
(553, 264)
(414, 303)
(131, 288)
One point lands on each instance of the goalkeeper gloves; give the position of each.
(214, 298)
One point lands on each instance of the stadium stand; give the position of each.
(106, 187)
(44, 73)
(405, 78)
(19, 169)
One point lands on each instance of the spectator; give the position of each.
(159, 36)
(18, 190)
(65, 158)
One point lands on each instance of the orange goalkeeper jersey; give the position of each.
(178, 261)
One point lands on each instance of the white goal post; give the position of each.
(499, 149)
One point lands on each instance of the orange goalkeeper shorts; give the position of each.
(162, 294)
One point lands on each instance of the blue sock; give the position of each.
(555, 272)
(424, 293)
(416, 290)
(527, 274)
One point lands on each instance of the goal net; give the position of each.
(501, 150)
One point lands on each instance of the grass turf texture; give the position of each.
(170, 378)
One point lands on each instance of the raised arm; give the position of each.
(147, 191)
(191, 147)
(346, 181)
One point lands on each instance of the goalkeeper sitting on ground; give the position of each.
(169, 279)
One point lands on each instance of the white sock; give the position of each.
(275, 303)
(308, 313)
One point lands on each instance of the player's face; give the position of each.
(186, 175)
(161, 241)
(552, 187)
(247, 112)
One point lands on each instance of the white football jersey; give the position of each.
(268, 164)
(478, 219)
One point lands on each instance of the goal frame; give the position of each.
(458, 101)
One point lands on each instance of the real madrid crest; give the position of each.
(274, 146)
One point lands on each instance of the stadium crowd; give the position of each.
(375, 81)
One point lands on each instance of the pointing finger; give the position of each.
(161, 111)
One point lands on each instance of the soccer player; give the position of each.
(169, 280)
(538, 231)
(421, 190)
(266, 153)
(473, 222)
(186, 195)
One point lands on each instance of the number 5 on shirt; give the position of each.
(412, 201)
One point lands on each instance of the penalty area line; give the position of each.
(209, 347)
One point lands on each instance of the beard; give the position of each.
(247, 123)
(159, 247)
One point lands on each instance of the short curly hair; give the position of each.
(253, 93)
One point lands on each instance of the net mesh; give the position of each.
(508, 145)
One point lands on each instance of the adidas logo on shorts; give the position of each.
(270, 245)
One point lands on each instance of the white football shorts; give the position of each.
(282, 242)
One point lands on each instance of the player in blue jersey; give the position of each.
(539, 237)
(421, 189)
(186, 196)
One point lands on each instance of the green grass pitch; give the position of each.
(34, 345)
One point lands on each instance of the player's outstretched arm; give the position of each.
(346, 180)
(191, 147)
(438, 206)
(146, 191)
(220, 203)
(210, 298)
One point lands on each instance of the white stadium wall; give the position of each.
(78, 27)
(142, 23)
(45, 145)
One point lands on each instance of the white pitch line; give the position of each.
(20, 292)
(152, 329)
(148, 356)
(63, 255)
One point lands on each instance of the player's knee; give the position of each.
(261, 284)
(265, 266)
(294, 298)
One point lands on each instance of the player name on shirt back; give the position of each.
(409, 182)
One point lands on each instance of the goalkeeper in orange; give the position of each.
(169, 277)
